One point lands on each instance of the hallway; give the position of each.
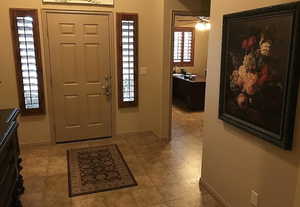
(167, 174)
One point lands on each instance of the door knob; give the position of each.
(107, 85)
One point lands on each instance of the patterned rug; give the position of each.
(97, 169)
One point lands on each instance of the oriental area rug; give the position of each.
(97, 169)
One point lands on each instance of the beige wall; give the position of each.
(154, 57)
(146, 116)
(201, 49)
(37, 129)
(235, 162)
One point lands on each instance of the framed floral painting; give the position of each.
(88, 2)
(260, 70)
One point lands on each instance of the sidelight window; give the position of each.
(26, 43)
(127, 34)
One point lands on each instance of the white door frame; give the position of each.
(48, 72)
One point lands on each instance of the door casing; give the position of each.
(48, 79)
(170, 72)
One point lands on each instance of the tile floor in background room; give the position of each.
(167, 173)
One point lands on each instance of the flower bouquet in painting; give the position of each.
(256, 82)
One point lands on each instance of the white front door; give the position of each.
(80, 72)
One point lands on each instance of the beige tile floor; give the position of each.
(167, 173)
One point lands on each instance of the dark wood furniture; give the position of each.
(191, 92)
(11, 181)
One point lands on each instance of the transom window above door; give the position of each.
(184, 40)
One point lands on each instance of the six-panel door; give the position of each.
(81, 69)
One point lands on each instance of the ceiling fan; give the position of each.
(202, 22)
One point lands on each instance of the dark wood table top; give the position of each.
(196, 78)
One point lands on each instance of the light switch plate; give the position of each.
(254, 198)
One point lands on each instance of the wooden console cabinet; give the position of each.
(191, 92)
(11, 181)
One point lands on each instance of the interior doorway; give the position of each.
(190, 33)
(81, 79)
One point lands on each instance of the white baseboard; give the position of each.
(213, 193)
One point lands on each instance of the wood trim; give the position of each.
(185, 29)
(15, 43)
(120, 17)
(113, 72)
(76, 3)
